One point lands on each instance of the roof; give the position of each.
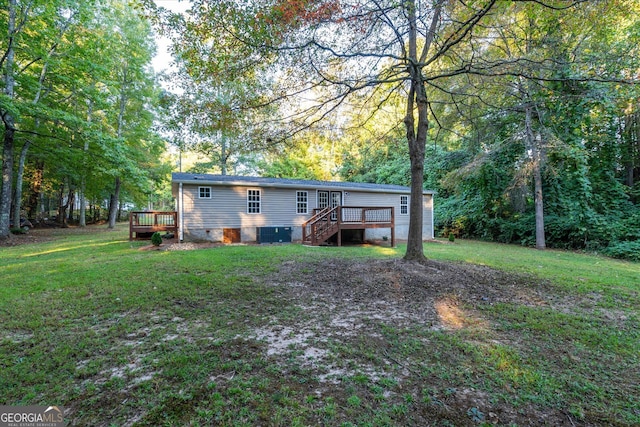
(248, 181)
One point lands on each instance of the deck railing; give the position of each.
(152, 221)
(328, 221)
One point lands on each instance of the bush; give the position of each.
(16, 230)
(156, 239)
(625, 250)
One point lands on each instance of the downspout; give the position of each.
(433, 214)
(180, 213)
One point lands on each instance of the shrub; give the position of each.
(452, 237)
(156, 239)
(625, 250)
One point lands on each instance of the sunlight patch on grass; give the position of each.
(88, 245)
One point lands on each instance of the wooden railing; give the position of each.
(152, 221)
(328, 221)
(319, 224)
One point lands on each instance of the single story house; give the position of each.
(238, 208)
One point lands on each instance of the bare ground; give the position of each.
(349, 304)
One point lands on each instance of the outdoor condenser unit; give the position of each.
(273, 234)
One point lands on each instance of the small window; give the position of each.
(204, 192)
(404, 205)
(253, 201)
(302, 202)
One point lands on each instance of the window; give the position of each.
(323, 199)
(404, 205)
(253, 201)
(302, 202)
(204, 192)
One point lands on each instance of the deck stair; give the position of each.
(328, 222)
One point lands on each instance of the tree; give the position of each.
(328, 51)
(8, 112)
(332, 55)
(60, 87)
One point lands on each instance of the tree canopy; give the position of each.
(458, 73)
(522, 115)
(78, 106)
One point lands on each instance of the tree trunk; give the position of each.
(34, 191)
(115, 196)
(17, 201)
(416, 136)
(113, 204)
(536, 159)
(417, 142)
(62, 208)
(71, 200)
(9, 128)
(83, 178)
(631, 132)
(7, 177)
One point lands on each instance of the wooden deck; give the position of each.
(328, 222)
(145, 222)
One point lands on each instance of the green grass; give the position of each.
(118, 335)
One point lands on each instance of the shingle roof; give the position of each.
(283, 182)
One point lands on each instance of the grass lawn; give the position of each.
(120, 336)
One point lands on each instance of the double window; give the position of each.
(253, 201)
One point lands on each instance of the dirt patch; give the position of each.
(407, 292)
(31, 237)
(344, 305)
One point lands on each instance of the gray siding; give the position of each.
(204, 219)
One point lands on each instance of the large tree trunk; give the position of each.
(9, 127)
(7, 177)
(416, 140)
(417, 135)
(113, 204)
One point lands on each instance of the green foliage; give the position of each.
(626, 250)
(156, 239)
(80, 62)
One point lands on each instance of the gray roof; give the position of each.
(209, 179)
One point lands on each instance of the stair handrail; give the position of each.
(310, 229)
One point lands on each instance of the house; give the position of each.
(239, 208)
